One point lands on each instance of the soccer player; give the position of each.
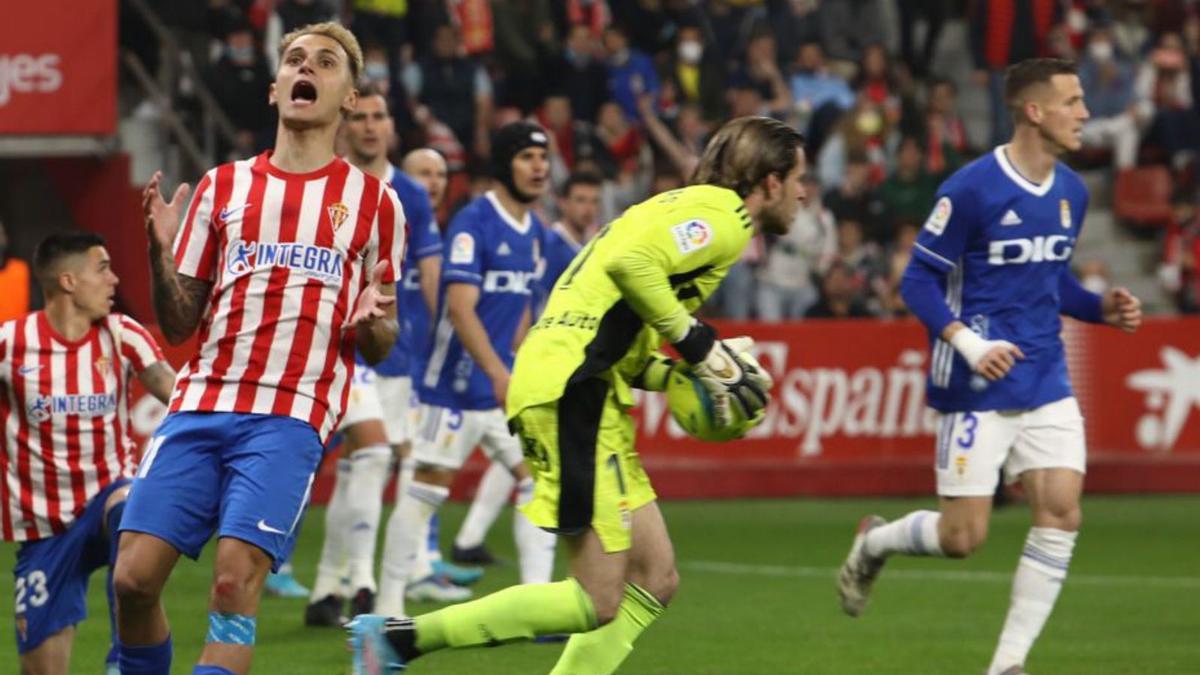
(286, 263)
(632, 287)
(68, 454)
(487, 276)
(579, 205)
(377, 423)
(418, 300)
(989, 277)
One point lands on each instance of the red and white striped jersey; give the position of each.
(64, 418)
(288, 256)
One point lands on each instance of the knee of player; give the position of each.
(230, 589)
(607, 604)
(961, 542)
(1067, 518)
(134, 589)
(665, 585)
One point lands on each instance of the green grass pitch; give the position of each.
(758, 598)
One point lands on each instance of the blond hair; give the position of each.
(336, 32)
(747, 150)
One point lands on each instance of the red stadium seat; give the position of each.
(1142, 196)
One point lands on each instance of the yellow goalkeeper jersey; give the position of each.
(634, 285)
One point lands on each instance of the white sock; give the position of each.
(404, 541)
(491, 496)
(535, 546)
(434, 540)
(1040, 575)
(422, 564)
(369, 473)
(331, 568)
(914, 534)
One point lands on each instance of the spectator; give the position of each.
(787, 280)
(1164, 96)
(622, 139)
(578, 72)
(745, 98)
(865, 258)
(911, 11)
(1003, 32)
(818, 95)
(849, 26)
(877, 81)
(945, 134)
(525, 40)
(1107, 79)
(909, 191)
(376, 72)
(630, 72)
(237, 80)
(15, 280)
(287, 16)
(383, 22)
(854, 199)
(795, 23)
(1181, 252)
(862, 131)
(761, 69)
(840, 299)
(455, 89)
(683, 151)
(898, 257)
(694, 74)
(593, 15)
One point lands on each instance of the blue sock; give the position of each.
(434, 542)
(113, 520)
(145, 660)
(211, 670)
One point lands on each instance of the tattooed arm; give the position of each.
(179, 299)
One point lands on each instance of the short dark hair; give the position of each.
(590, 178)
(1022, 75)
(366, 88)
(59, 245)
(745, 151)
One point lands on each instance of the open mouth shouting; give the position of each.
(304, 93)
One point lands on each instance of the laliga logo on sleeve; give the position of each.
(692, 235)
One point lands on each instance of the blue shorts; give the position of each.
(236, 475)
(52, 574)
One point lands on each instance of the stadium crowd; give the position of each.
(631, 89)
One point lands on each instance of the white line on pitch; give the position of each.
(939, 575)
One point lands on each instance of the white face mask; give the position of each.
(690, 51)
(1100, 50)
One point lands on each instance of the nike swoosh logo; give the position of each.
(227, 212)
(262, 525)
(25, 370)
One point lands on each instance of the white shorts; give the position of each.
(972, 447)
(399, 401)
(363, 402)
(446, 437)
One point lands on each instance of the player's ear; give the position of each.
(271, 99)
(349, 103)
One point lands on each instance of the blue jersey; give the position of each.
(558, 250)
(424, 239)
(489, 249)
(1003, 243)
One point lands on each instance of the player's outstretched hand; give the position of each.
(998, 360)
(732, 381)
(1122, 309)
(372, 302)
(500, 388)
(162, 217)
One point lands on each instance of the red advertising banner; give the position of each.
(848, 413)
(58, 67)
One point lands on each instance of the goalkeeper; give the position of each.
(631, 288)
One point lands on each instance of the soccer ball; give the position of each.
(692, 407)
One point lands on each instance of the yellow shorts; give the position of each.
(585, 468)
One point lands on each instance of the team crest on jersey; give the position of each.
(692, 235)
(1064, 210)
(937, 221)
(103, 366)
(338, 213)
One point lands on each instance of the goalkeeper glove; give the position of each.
(733, 383)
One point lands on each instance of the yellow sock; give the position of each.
(601, 651)
(515, 613)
